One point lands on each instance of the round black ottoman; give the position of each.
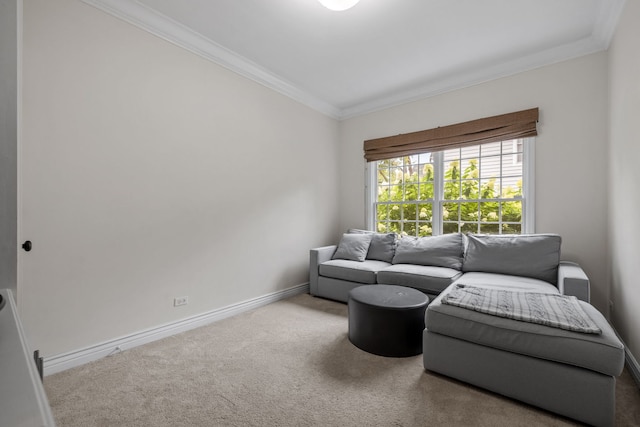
(387, 320)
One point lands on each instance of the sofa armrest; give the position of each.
(572, 280)
(316, 257)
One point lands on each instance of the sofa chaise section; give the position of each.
(566, 372)
(569, 373)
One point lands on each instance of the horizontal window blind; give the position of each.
(521, 124)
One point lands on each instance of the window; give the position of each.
(477, 189)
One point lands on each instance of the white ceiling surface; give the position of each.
(381, 52)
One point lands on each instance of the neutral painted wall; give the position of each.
(8, 142)
(150, 173)
(624, 171)
(571, 151)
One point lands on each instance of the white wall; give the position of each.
(624, 74)
(8, 142)
(149, 173)
(571, 151)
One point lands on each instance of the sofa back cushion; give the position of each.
(440, 251)
(528, 255)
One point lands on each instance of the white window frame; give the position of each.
(528, 189)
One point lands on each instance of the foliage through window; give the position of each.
(477, 189)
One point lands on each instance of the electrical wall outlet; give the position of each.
(180, 301)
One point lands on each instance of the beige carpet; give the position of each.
(286, 364)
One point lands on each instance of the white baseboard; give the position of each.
(630, 361)
(72, 359)
(632, 365)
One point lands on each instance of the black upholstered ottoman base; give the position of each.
(387, 320)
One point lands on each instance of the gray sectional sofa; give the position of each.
(560, 369)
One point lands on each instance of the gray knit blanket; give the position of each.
(558, 311)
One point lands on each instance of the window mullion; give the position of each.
(371, 194)
(528, 185)
(438, 192)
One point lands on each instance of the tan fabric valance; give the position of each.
(520, 124)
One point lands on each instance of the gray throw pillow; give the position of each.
(353, 247)
(383, 247)
(439, 251)
(528, 255)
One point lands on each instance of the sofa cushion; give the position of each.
(382, 247)
(353, 247)
(432, 280)
(528, 255)
(353, 271)
(503, 281)
(602, 353)
(439, 251)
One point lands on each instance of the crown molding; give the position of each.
(167, 29)
(135, 13)
(600, 39)
(477, 75)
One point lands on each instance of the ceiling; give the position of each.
(381, 52)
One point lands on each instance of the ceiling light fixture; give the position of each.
(338, 5)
